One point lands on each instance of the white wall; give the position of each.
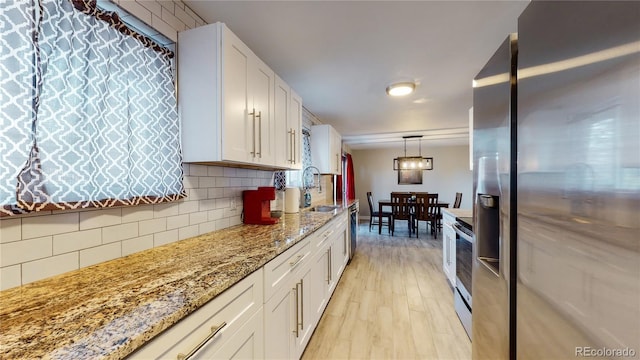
(374, 172)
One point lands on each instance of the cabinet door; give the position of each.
(281, 114)
(247, 343)
(320, 277)
(306, 319)
(280, 325)
(448, 252)
(339, 255)
(238, 140)
(294, 127)
(336, 151)
(261, 85)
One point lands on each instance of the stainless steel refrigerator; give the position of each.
(556, 257)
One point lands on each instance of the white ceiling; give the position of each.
(341, 55)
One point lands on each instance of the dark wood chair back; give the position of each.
(456, 203)
(401, 206)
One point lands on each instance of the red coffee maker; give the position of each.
(257, 205)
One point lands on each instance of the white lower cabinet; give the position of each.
(271, 313)
(229, 326)
(289, 320)
(449, 247)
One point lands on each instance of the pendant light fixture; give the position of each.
(413, 162)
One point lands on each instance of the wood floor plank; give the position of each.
(392, 302)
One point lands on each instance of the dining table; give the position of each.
(388, 203)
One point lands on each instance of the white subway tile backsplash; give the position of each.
(137, 213)
(137, 10)
(206, 205)
(165, 237)
(215, 214)
(10, 276)
(181, 14)
(235, 220)
(198, 170)
(197, 218)
(147, 227)
(153, 6)
(100, 254)
(167, 4)
(215, 171)
(222, 223)
(215, 193)
(77, 240)
(174, 222)
(39, 226)
(187, 232)
(100, 218)
(132, 246)
(164, 28)
(119, 232)
(192, 14)
(40, 269)
(166, 209)
(25, 250)
(190, 182)
(209, 226)
(187, 207)
(10, 230)
(229, 172)
(222, 182)
(207, 181)
(198, 194)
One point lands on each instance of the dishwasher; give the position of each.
(354, 209)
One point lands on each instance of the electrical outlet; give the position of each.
(233, 206)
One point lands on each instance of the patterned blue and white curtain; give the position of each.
(101, 123)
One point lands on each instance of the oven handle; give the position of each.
(462, 233)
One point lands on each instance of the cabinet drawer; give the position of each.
(279, 270)
(234, 307)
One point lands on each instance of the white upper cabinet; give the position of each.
(288, 125)
(294, 132)
(230, 101)
(326, 149)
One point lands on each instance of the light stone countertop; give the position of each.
(459, 212)
(110, 309)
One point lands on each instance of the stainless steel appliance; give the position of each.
(354, 210)
(464, 260)
(556, 270)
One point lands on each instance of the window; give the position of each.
(93, 117)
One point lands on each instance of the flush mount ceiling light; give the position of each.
(401, 88)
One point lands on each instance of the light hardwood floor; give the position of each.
(392, 302)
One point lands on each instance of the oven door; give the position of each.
(464, 262)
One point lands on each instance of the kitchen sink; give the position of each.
(324, 208)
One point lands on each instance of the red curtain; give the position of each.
(351, 187)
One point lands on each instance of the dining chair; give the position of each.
(456, 203)
(401, 209)
(375, 215)
(427, 210)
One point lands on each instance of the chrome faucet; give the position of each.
(313, 185)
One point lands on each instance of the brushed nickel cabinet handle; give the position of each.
(293, 148)
(214, 331)
(259, 116)
(253, 131)
(329, 266)
(301, 304)
(295, 331)
(296, 261)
